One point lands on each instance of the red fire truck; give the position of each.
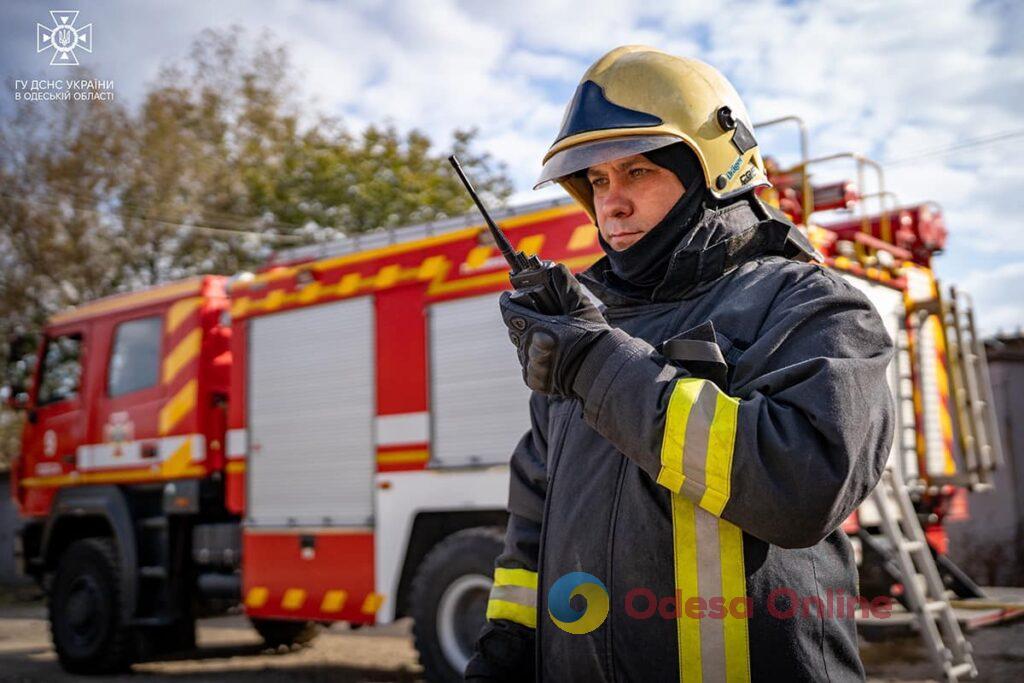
(327, 439)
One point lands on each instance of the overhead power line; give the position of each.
(206, 227)
(983, 141)
(66, 188)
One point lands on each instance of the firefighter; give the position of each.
(696, 441)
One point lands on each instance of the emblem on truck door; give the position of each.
(50, 443)
(119, 431)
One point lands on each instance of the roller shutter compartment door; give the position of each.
(311, 410)
(479, 403)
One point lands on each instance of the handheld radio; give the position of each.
(529, 275)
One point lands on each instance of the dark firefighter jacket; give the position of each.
(704, 474)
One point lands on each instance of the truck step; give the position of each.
(965, 669)
(152, 621)
(153, 523)
(153, 572)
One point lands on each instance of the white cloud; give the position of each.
(888, 79)
(544, 66)
(996, 293)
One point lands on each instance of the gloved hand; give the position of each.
(504, 653)
(552, 347)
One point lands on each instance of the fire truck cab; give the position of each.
(121, 451)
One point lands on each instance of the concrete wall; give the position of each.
(990, 545)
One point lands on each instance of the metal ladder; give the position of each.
(903, 387)
(924, 591)
(972, 392)
(923, 588)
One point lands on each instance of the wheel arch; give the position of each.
(85, 511)
(430, 528)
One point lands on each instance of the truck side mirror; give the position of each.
(18, 371)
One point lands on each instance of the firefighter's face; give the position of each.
(631, 196)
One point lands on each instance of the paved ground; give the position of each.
(230, 651)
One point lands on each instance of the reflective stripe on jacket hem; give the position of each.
(713, 644)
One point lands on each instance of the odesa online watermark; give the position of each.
(641, 603)
(62, 42)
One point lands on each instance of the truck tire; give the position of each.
(449, 600)
(85, 610)
(278, 632)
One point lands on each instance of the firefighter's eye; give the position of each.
(598, 181)
(637, 172)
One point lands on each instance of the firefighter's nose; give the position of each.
(617, 203)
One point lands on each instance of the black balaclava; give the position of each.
(637, 270)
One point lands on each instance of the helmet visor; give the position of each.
(587, 154)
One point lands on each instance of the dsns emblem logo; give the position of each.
(560, 602)
(63, 37)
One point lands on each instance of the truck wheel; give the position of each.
(449, 600)
(88, 630)
(277, 632)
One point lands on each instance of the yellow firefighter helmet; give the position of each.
(636, 99)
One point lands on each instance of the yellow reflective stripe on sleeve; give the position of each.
(684, 394)
(670, 479)
(734, 585)
(514, 596)
(698, 443)
(721, 443)
(515, 577)
(521, 614)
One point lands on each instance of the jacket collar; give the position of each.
(723, 238)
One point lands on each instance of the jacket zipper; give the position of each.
(555, 457)
(609, 659)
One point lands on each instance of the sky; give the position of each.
(899, 81)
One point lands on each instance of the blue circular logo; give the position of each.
(560, 602)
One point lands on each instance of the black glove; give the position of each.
(504, 653)
(552, 347)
